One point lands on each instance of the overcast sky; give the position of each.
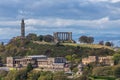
(97, 18)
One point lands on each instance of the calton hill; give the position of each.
(58, 57)
(34, 44)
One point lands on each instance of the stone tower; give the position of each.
(22, 28)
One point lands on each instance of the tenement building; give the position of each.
(107, 60)
(62, 36)
(38, 62)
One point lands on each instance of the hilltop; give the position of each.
(71, 51)
(76, 44)
(26, 47)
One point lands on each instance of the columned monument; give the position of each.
(62, 36)
(22, 28)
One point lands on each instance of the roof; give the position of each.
(37, 56)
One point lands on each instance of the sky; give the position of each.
(97, 18)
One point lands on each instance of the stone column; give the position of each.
(65, 36)
(62, 36)
(59, 36)
(70, 35)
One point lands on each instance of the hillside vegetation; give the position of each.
(88, 45)
(71, 51)
(18, 47)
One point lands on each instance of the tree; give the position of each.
(83, 77)
(21, 74)
(48, 38)
(102, 71)
(40, 37)
(17, 75)
(59, 76)
(108, 44)
(46, 76)
(68, 57)
(33, 75)
(29, 67)
(117, 71)
(3, 73)
(101, 43)
(116, 58)
(85, 39)
(90, 40)
(11, 75)
(31, 36)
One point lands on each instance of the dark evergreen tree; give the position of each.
(90, 40)
(32, 36)
(40, 37)
(117, 71)
(108, 44)
(48, 38)
(101, 43)
(29, 67)
(85, 39)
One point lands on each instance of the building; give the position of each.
(62, 36)
(88, 60)
(22, 28)
(41, 62)
(107, 60)
(80, 69)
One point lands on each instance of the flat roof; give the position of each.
(37, 56)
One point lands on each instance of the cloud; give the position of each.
(115, 1)
(82, 17)
(30, 28)
(61, 22)
(73, 9)
(111, 1)
(7, 33)
(9, 23)
(58, 22)
(50, 25)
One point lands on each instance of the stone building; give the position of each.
(107, 60)
(88, 60)
(22, 28)
(62, 36)
(80, 69)
(38, 61)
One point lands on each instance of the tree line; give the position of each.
(50, 38)
(90, 40)
(34, 37)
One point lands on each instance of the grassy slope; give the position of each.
(88, 45)
(75, 45)
(44, 48)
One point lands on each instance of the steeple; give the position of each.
(22, 28)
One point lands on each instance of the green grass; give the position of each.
(87, 45)
(73, 44)
(43, 42)
(12, 69)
